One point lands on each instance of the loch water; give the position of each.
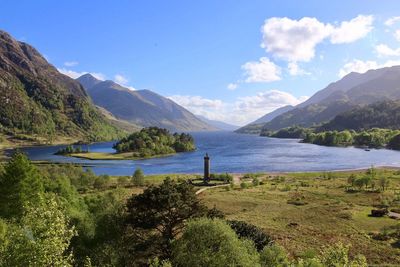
(233, 153)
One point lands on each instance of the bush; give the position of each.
(255, 181)
(251, 232)
(273, 256)
(207, 242)
(243, 185)
(138, 177)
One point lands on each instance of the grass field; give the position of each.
(328, 215)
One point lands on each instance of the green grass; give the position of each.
(331, 214)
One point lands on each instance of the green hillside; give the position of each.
(38, 101)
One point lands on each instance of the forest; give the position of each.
(153, 141)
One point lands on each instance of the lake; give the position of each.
(234, 153)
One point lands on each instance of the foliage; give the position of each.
(207, 242)
(226, 177)
(338, 255)
(20, 184)
(138, 177)
(376, 138)
(42, 237)
(290, 132)
(251, 232)
(274, 256)
(70, 149)
(158, 215)
(377, 115)
(155, 141)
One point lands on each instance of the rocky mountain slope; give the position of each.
(351, 91)
(37, 100)
(141, 107)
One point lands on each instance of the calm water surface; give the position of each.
(231, 152)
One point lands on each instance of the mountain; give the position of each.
(270, 116)
(39, 101)
(385, 114)
(351, 91)
(256, 126)
(141, 107)
(220, 125)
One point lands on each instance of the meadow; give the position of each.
(306, 211)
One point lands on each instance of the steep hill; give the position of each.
(37, 100)
(141, 107)
(384, 114)
(353, 90)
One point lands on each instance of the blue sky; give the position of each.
(227, 60)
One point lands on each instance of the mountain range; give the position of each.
(39, 101)
(220, 125)
(256, 126)
(142, 108)
(352, 91)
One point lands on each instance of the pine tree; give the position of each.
(20, 184)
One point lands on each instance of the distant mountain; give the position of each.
(141, 107)
(385, 114)
(219, 125)
(272, 115)
(351, 91)
(37, 100)
(256, 126)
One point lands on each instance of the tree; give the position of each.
(159, 214)
(42, 237)
(383, 182)
(20, 184)
(251, 232)
(351, 179)
(208, 242)
(359, 183)
(138, 177)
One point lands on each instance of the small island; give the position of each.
(147, 143)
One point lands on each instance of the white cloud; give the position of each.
(396, 35)
(241, 111)
(350, 31)
(392, 20)
(232, 86)
(384, 50)
(75, 74)
(71, 63)
(295, 70)
(118, 78)
(363, 66)
(263, 70)
(295, 40)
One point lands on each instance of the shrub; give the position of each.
(243, 185)
(207, 242)
(251, 232)
(138, 177)
(255, 181)
(274, 255)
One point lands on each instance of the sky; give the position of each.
(232, 61)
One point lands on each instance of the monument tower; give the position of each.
(206, 177)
